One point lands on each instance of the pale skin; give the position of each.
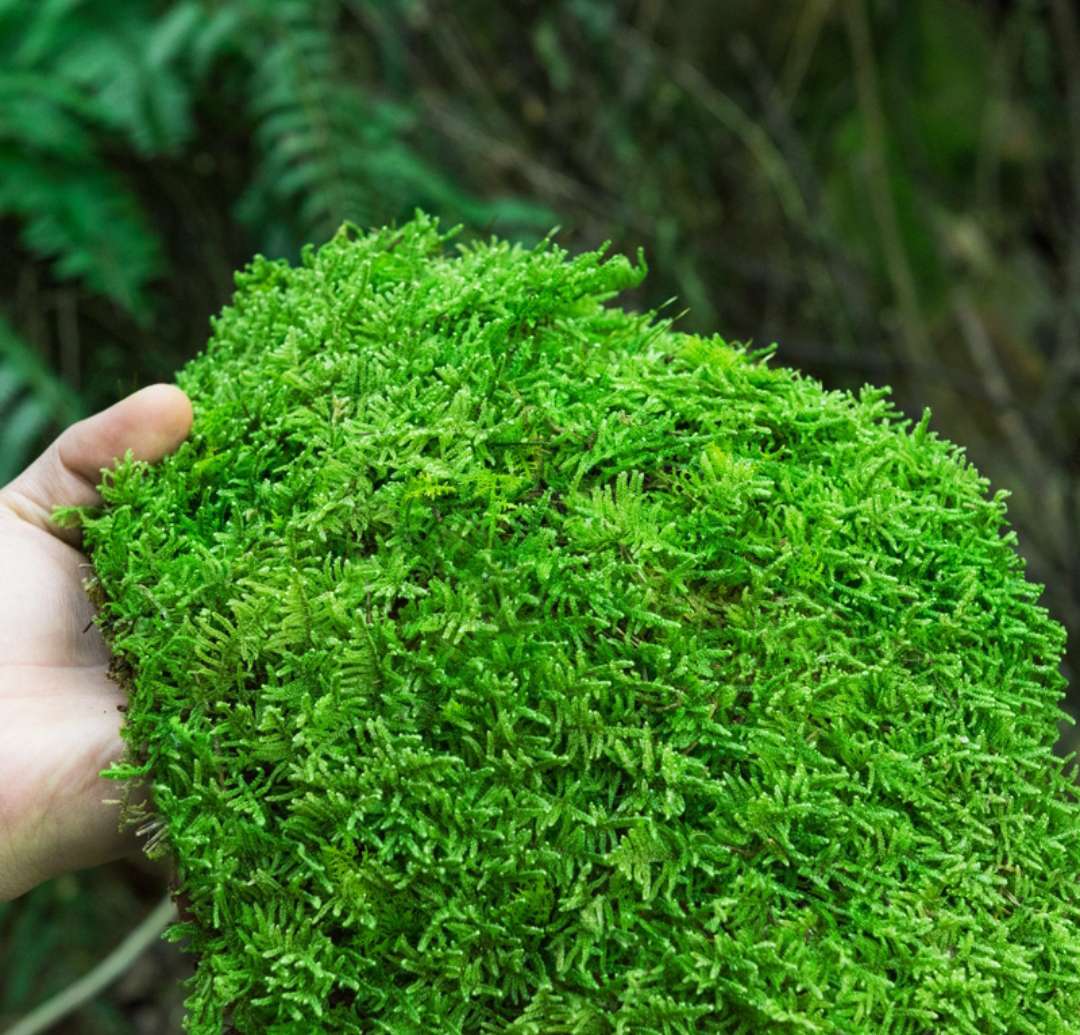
(59, 711)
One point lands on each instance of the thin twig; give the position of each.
(981, 350)
(832, 274)
(548, 182)
(913, 331)
(804, 41)
(730, 115)
(1023, 444)
(104, 974)
(1065, 362)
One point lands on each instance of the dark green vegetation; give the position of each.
(889, 188)
(503, 661)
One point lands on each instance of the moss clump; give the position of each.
(507, 662)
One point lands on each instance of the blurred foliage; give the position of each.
(32, 399)
(888, 188)
(58, 932)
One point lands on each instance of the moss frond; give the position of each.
(508, 662)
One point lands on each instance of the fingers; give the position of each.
(151, 423)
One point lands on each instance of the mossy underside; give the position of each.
(503, 661)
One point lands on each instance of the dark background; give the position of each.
(889, 189)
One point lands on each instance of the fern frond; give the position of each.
(77, 77)
(309, 121)
(74, 211)
(334, 153)
(83, 218)
(138, 70)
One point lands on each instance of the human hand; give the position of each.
(59, 715)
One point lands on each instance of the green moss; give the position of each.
(507, 662)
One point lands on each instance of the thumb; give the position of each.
(151, 423)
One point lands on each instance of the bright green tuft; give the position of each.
(506, 662)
